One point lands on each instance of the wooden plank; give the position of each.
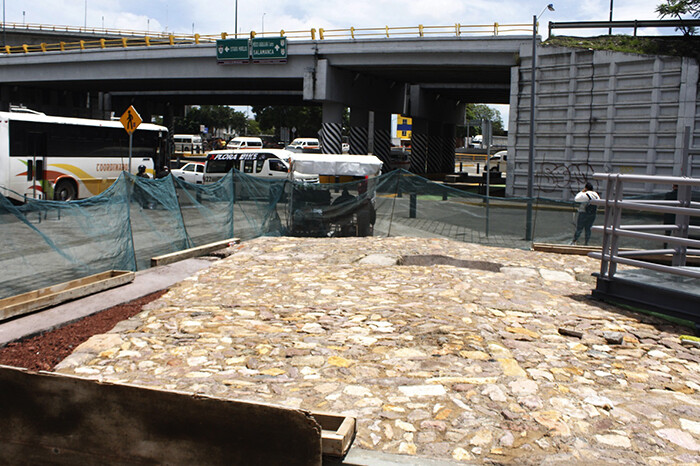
(50, 296)
(192, 252)
(59, 419)
(338, 433)
(584, 250)
(565, 248)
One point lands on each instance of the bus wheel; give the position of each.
(64, 191)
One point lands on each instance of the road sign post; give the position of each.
(130, 120)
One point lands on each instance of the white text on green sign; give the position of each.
(232, 49)
(272, 48)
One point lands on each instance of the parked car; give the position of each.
(192, 172)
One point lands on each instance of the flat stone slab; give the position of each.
(442, 362)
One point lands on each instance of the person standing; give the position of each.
(586, 212)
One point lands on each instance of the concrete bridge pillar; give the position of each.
(434, 154)
(419, 145)
(359, 130)
(449, 132)
(382, 137)
(4, 98)
(332, 126)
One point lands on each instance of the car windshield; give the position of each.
(219, 166)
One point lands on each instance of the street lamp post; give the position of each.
(263, 25)
(531, 154)
(235, 23)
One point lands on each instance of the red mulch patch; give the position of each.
(45, 351)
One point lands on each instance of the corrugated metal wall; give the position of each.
(599, 111)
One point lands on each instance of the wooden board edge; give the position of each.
(70, 290)
(336, 441)
(176, 256)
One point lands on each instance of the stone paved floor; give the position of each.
(435, 361)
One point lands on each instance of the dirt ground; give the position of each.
(45, 351)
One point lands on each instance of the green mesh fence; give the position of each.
(48, 242)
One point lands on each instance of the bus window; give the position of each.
(248, 166)
(276, 165)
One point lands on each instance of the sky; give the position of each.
(216, 16)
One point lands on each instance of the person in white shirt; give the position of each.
(586, 212)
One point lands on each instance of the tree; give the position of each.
(306, 120)
(678, 9)
(213, 117)
(484, 112)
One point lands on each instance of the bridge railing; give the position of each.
(132, 38)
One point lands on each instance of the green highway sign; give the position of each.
(273, 48)
(232, 49)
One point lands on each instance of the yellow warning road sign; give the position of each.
(131, 119)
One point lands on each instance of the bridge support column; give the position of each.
(419, 145)
(4, 98)
(359, 132)
(382, 137)
(434, 153)
(449, 132)
(332, 126)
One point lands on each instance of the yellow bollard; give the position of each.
(172, 39)
(420, 30)
(223, 35)
(62, 45)
(313, 34)
(196, 38)
(321, 32)
(8, 49)
(123, 42)
(82, 45)
(352, 32)
(147, 40)
(25, 48)
(43, 47)
(252, 34)
(102, 43)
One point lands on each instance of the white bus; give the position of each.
(188, 144)
(47, 157)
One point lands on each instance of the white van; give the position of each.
(265, 163)
(304, 143)
(245, 142)
(188, 143)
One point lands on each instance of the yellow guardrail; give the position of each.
(151, 39)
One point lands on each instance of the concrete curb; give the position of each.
(146, 282)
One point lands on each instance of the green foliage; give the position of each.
(679, 46)
(306, 120)
(484, 112)
(678, 9)
(213, 117)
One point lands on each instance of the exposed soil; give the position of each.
(45, 351)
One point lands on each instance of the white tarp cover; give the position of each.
(337, 164)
